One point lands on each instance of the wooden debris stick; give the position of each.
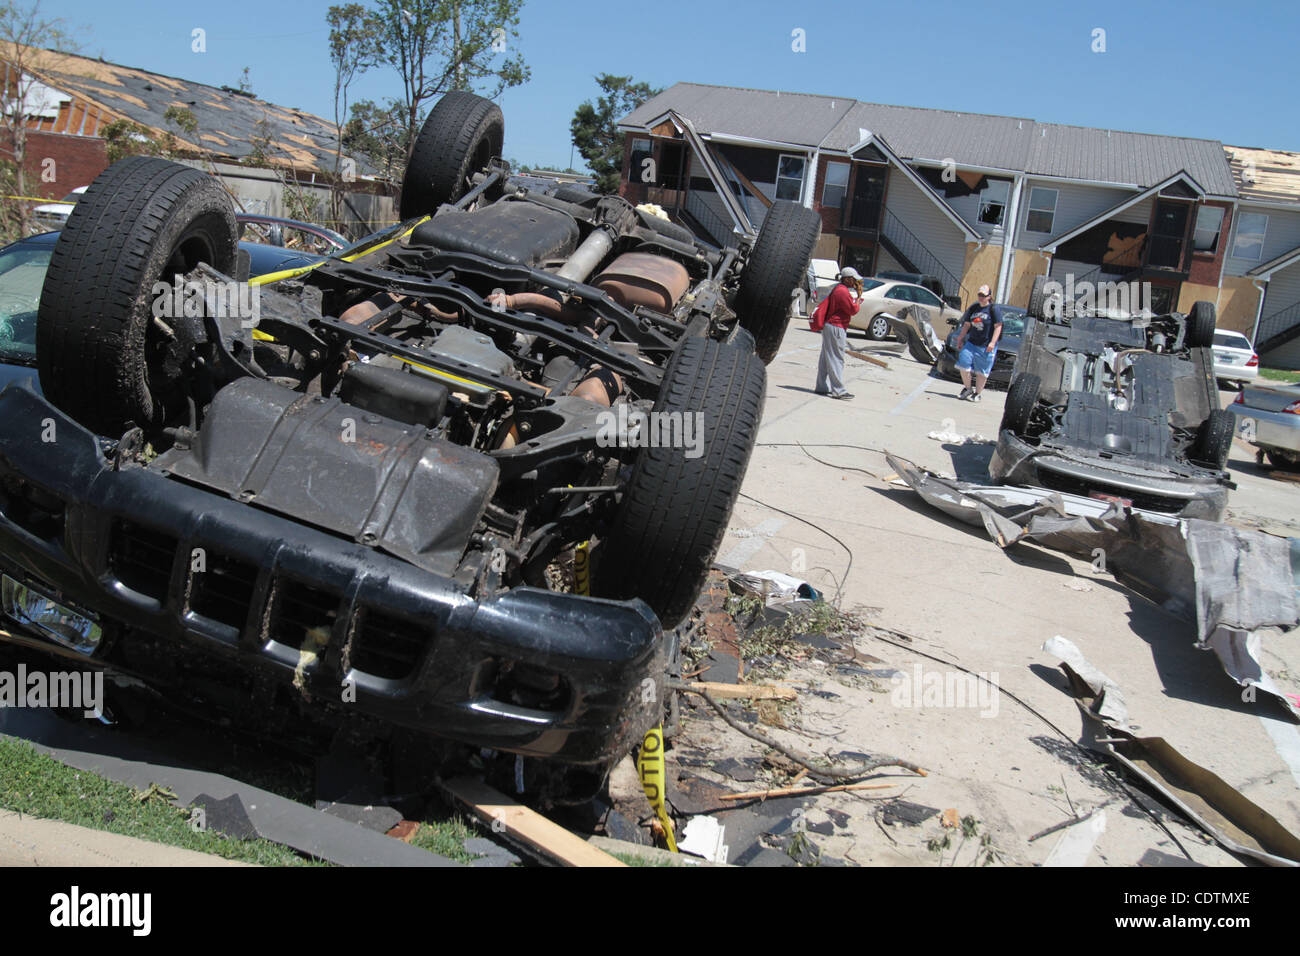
(867, 358)
(526, 825)
(805, 791)
(747, 691)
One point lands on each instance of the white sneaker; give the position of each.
(965, 394)
(975, 397)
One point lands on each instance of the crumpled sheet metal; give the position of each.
(918, 335)
(1236, 822)
(1237, 585)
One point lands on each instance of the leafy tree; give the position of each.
(436, 46)
(595, 126)
(354, 49)
(379, 134)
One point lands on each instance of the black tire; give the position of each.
(675, 509)
(878, 329)
(462, 134)
(741, 338)
(1022, 396)
(1200, 325)
(1038, 298)
(1214, 440)
(777, 266)
(101, 357)
(1282, 458)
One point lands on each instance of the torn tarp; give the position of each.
(1237, 585)
(1239, 824)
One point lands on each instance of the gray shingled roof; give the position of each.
(975, 139)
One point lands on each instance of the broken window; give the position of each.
(836, 185)
(993, 202)
(789, 176)
(1209, 219)
(1042, 209)
(1251, 227)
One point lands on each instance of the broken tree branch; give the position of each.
(816, 768)
(805, 791)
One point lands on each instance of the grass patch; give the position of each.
(1279, 375)
(38, 785)
(446, 837)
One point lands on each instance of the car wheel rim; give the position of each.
(879, 327)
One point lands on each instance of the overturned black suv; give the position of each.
(375, 503)
(1117, 404)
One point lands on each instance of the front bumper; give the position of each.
(1016, 462)
(178, 577)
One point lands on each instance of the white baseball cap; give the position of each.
(849, 273)
(984, 290)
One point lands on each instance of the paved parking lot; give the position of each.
(964, 600)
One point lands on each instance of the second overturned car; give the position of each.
(1119, 407)
(375, 500)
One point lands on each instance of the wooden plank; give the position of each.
(806, 791)
(527, 825)
(867, 358)
(749, 691)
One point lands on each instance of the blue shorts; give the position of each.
(977, 359)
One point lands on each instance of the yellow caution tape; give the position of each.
(52, 202)
(650, 765)
(582, 568)
(303, 270)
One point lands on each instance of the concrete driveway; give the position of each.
(965, 601)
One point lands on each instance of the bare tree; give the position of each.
(24, 32)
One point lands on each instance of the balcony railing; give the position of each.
(910, 245)
(1280, 326)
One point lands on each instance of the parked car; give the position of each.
(1235, 360)
(387, 479)
(290, 234)
(926, 281)
(1268, 417)
(823, 274)
(1013, 326)
(23, 265)
(52, 215)
(1123, 409)
(883, 297)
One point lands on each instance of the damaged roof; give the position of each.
(230, 122)
(931, 135)
(1266, 175)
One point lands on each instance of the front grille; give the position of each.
(222, 589)
(142, 559)
(304, 616)
(387, 646)
(1068, 484)
(32, 509)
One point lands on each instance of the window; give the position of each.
(902, 293)
(789, 177)
(1042, 209)
(926, 297)
(1209, 219)
(836, 185)
(993, 202)
(1251, 227)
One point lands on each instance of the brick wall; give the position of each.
(77, 160)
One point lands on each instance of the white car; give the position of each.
(1234, 357)
(54, 215)
(822, 276)
(881, 297)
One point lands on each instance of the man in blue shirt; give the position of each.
(977, 343)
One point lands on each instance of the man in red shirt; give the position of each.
(841, 306)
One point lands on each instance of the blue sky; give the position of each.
(1191, 68)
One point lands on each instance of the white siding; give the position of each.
(926, 221)
(1282, 235)
(1063, 267)
(1288, 356)
(1075, 205)
(1139, 213)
